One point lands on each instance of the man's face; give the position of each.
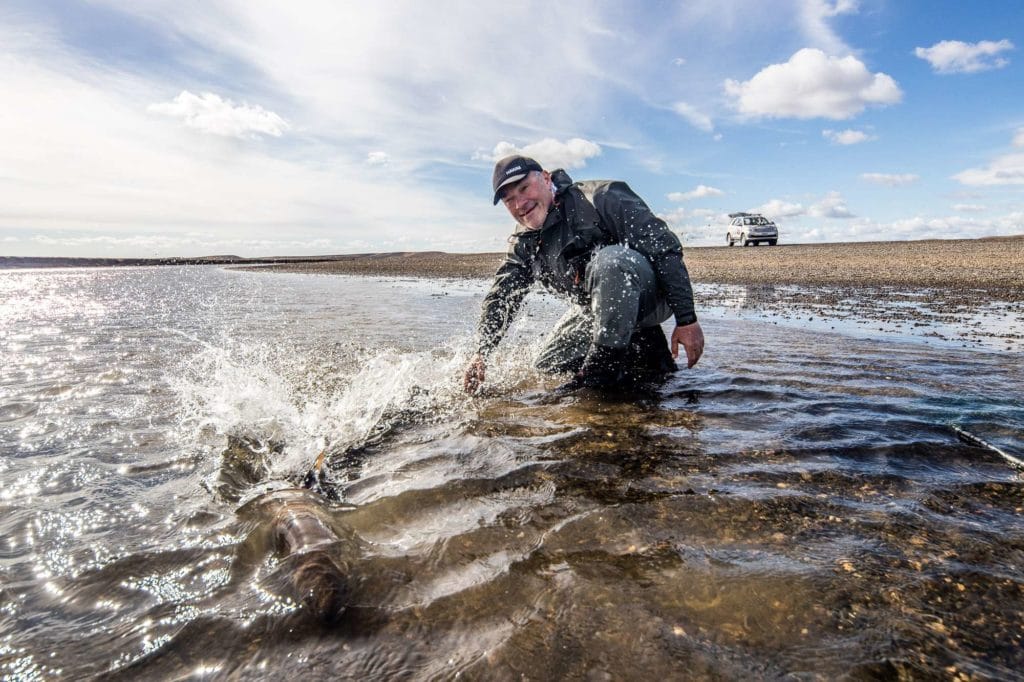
(529, 199)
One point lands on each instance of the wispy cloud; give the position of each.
(374, 75)
(890, 179)
(1007, 169)
(697, 119)
(120, 171)
(846, 137)
(954, 56)
(210, 113)
(970, 208)
(311, 117)
(813, 85)
(815, 19)
(699, 192)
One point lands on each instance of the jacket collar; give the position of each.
(561, 180)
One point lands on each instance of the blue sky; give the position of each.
(171, 128)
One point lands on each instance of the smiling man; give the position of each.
(596, 244)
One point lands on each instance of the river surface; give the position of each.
(795, 507)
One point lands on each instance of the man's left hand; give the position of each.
(692, 338)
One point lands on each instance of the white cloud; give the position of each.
(362, 78)
(950, 227)
(209, 113)
(551, 153)
(807, 228)
(122, 175)
(970, 208)
(1007, 169)
(694, 117)
(378, 158)
(679, 61)
(812, 85)
(699, 192)
(890, 179)
(354, 83)
(777, 208)
(846, 137)
(831, 206)
(954, 56)
(1002, 170)
(675, 217)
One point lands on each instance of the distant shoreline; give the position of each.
(990, 266)
(987, 269)
(29, 262)
(969, 290)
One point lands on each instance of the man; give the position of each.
(597, 244)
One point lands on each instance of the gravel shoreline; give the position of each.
(921, 286)
(993, 265)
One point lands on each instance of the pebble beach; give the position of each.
(995, 266)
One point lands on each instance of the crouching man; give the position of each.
(596, 244)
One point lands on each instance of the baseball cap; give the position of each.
(510, 170)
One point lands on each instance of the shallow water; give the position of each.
(795, 506)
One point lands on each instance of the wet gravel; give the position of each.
(913, 283)
(994, 266)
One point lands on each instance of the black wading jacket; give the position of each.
(586, 217)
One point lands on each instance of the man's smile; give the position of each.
(529, 209)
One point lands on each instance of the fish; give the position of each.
(313, 547)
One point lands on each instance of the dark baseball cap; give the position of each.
(512, 169)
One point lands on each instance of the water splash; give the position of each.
(300, 403)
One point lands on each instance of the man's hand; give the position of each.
(692, 338)
(474, 376)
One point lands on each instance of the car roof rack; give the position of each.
(741, 214)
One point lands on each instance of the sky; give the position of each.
(158, 128)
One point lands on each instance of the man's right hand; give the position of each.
(474, 377)
(691, 336)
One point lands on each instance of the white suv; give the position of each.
(751, 228)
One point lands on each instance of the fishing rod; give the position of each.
(971, 439)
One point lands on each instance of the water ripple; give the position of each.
(796, 506)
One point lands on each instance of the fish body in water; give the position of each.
(304, 533)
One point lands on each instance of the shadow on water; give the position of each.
(795, 508)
